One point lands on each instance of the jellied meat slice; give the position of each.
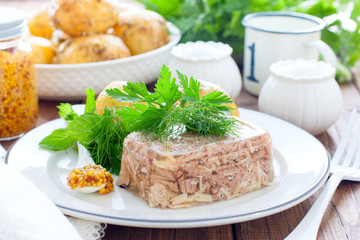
(195, 170)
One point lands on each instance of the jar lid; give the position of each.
(12, 23)
(302, 70)
(199, 50)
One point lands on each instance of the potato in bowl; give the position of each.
(83, 17)
(141, 30)
(93, 48)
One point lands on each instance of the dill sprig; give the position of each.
(173, 107)
(105, 138)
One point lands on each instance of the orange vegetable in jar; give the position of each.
(18, 96)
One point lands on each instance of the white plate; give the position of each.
(301, 163)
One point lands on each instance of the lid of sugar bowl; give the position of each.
(201, 51)
(12, 23)
(302, 70)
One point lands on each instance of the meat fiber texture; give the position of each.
(195, 170)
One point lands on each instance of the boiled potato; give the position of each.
(84, 17)
(42, 50)
(94, 48)
(207, 87)
(39, 24)
(103, 100)
(141, 30)
(58, 37)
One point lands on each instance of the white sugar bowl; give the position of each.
(303, 92)
(209, 61)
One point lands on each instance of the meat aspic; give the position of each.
(197, 170)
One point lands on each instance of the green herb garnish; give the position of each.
(167, 112)
(102, 135)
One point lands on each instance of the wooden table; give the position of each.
(341, 220)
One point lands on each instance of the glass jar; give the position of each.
(19, 108)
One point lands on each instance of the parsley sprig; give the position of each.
(173, 107)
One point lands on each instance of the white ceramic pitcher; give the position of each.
(275, 36)
(303, 92)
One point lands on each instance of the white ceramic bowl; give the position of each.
(303, 92)
(69, 81)
(209, 61)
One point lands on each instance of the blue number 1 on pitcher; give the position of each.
(252, 77)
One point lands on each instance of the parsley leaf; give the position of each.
(191, 88)
(167, 88)
(216, 97)
(127, 96)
